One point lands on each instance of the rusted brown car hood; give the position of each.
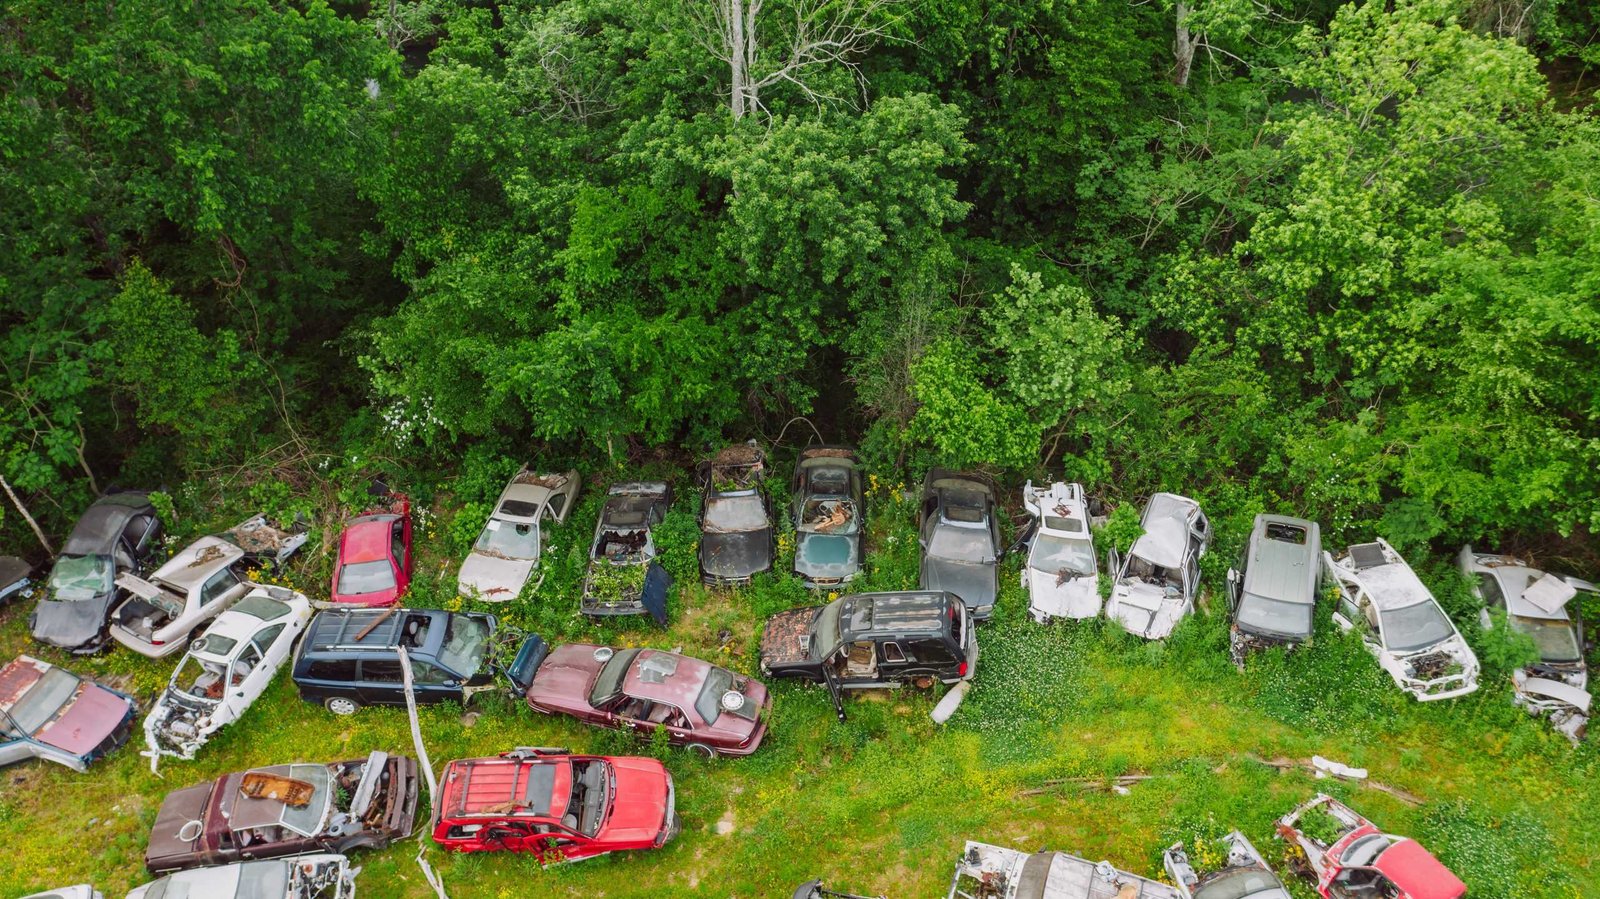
(179, 808)
(787, 638)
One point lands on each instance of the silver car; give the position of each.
(1273, 592)
(1156, 585)
(507, 551)
(960, 538)
(995, 872)
(1243, 874)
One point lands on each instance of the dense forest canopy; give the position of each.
(1339, 259)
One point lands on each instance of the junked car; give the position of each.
(507, 551)
(1542, 607)
(319, 876)
(557, 806)
(986, 871)
(224, 671)
(960, 538)
(1400, 622)
(815, 889)
(117, 534)
(350, 658)
(52, 714)
(1157, 583)
(735, 516)
(1060, 574)
(1360, 861)
(623, 576)
(16, 579)
(286, 810)
(162, 613)
(1273, 592)
(1242, 873)
(829, 511)
(708, 709)
(80, 891)
(374, 561)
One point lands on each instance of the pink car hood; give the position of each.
(90, 717)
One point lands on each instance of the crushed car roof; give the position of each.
(1388, 580)
(538, 787)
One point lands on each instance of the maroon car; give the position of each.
(711, 710)
(286, 810)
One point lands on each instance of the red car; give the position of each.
(1362, 861)
(375, 559)
(711, 710)
(559, 807)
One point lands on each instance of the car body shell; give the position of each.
(380, 537)
(16, 580)
(348, 658)
(623, 541)
(224, 671)
(960, 538)
(1060, 571)
(1243, 873)
(1272, 595)
(157, 615)
(1155, 586)
(80, 891)
(1362, 861)
(658, 689)
(556, 806)
(367, 802)
(995, 872)
(495, 574)
(52, 714)
(736, 533)
(117, 534)
(318, 876)
(829, 514)
(1378, 594)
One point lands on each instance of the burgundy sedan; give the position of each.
(711, 710)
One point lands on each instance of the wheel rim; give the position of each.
(702, 750)
(341, 706)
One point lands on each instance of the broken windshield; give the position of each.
(1053, 555)
(828, 516)
(1240, 883)
(81, 577)
(466, 640)
(1415, 627)
(1557, 640)
(39, 704)
(509, 540)
(735, 514)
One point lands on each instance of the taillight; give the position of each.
(952, 612)
(961, 670)
(158, 643)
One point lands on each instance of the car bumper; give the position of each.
(144, 647)
(672, 825)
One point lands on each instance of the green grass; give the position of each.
(883, 801)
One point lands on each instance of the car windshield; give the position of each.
(509, 540)
(81, 577)
(1289, 619)
(735, 514)
(962, 544)
(709, 702)
(197, 679)
(366, 577)
(1414, 627)
(825, 631)
(1053, 555)
(1240, 883)
(39, 704)
(466, 641)
(1557, 640)
(828, 516)
(609, 682)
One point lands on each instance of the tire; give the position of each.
(702, 750)
(341, 705)
(359, 841)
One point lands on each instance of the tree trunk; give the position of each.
(1182, 47)
(734, 18)
(26, 517)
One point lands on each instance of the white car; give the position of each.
(1400, 622)
(319, 876)
(996, 872)
(507, 552)
(1060, 575)
(81, 891)
(224, 671)
(1236, 872)
(1157, 583)
(1541, 606)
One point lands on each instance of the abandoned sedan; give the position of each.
(1060, 573)
(559, 807)
(224, 671)
(162, 614)
(321, 876)
(1274, 595)
(1242, 874)
(994, 872)
(735, 516)
(1540, 606)
(285, 810)
(1156, 585)
(623, 577)
(1400, 622)
(960, 538)
(1359, 861)
(710, 710)
(52, 714)
(373, 567)
(117, 534)
(828, 513)
(507, 552)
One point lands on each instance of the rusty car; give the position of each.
(117, 534)
(985, 871)
(623, 577)
(507, 551)
(1155, 586)
(52, 714)
(1241, 872)
(736, 533)
(1350, 858)
(318, 876)
(1272, 594)
(829, 514)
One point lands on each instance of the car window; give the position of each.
(933, 651)
(247, 661)
(424, 673)
(397, 541)
(264, 638)
(39, 704)
(465, 645)
(557, 503)
(220, 583)
(137, 527)
(381, 672)
(366, 577)
(1489, 585)
(329, 669)
(893, 653)
(964, 544)
(81, 577)
(1415, 627)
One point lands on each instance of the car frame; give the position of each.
(1272, 595)
(623, 543)
(1375, 585)
(1362, 858)
(77, 721)
(1156, 584)
(996, 872)
(828, 509)
(710, 710)
(736, 524)
(348, 658)
(1057, 585)
(959, 533)
(302, 877)
(116, 534)
(380, 538)
(76, 891)
(1240, 861)
(499, 571)
(16, 579)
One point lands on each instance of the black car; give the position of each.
(624, 577)
(735, 517)
(829, 516)
(117, 534)
(960, 538)
(16, 579)
(347, 658)
(869, 640)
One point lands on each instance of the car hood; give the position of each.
(974, 582)
(495, 579)
(563, 678)
(70, 624)
(92, 716)
(1078, 597)
(736, 555)
(179, 808)
(640, 809)
(825, 555)
(786, 638)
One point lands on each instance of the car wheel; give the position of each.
(341, 705)
(359, 841)
(702, 750)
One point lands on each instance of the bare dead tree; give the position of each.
(566, 88)
(26, 517)
(1183, 46)
(822, 33)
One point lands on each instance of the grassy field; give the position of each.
(883, 801)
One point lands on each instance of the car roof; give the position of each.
(537, 787)
(241, 622)
(366, 629)
(1415, 871)
(913, 612)
(666, 677)
(97, 531)
(366, 539)
(17, 677)
(1388, 580)
(1280, 569)
(197, 562)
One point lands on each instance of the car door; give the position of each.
(220, 591)
(380, 682)
(245, 686)
(433, 683)
(139, 536)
